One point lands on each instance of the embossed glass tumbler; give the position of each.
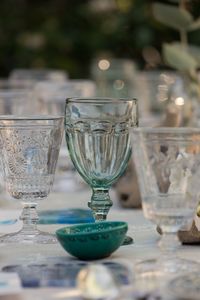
(97, 135)
(168, 166)
(29, 152)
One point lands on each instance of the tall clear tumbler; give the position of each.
(97, 134)
(168, 167)
(29, 151)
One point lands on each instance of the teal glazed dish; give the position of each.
(92, 240)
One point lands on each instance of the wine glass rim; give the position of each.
(30, 117)
(99, 100)
(167, 129)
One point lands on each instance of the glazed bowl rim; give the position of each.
(118, 225)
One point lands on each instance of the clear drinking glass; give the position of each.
(168, 166)
(50, 94)
(38, 75)
(17, 102)
(50, 98)
(15, 99)
(29, 152)
(21, 84)
(97, 135)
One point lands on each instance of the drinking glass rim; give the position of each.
(99, 100)
(166, 129)
(30, 117)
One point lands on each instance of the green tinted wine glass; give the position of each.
(97, 135)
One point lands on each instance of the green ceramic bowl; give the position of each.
(92, 240)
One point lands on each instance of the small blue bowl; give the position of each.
(92, 240)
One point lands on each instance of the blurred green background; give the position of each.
(69, 34)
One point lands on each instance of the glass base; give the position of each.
(165, 267)
(127, 241)
(21, 237)
(185, 286)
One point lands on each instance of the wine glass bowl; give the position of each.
(97, 135)
(29, 149)
(168, 166)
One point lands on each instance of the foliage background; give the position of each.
(68, 34)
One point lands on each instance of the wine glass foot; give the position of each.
(165, 267)
(39, 237)
(128, 240)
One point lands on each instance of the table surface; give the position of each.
(143, 232)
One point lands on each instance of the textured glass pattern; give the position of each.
(168, 167)
(168, 164)
(29, 150)
(100, 150)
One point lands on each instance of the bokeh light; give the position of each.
(104, 64)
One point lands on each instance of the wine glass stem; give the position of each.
(100, 203)
(29, 217)
(168, 245)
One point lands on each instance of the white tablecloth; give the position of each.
(144, 235)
